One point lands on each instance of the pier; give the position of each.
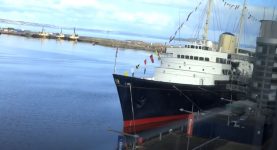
(127, 44)
(218, 128)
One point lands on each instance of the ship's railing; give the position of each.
(241, 57)
(240, 78)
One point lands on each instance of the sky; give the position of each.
(144, 17)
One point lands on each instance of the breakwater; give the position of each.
(128, 44)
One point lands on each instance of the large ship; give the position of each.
(193, 77)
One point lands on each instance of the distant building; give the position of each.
(264, 78)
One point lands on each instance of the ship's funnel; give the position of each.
(227, 43)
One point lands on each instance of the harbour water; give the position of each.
(59, 94)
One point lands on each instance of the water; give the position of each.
(60, 95)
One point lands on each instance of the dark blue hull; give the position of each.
(162, 100)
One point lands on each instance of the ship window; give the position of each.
(207, 59)
(206, 48)
(178, 56)
(192, 46)
(195, 58)
(229, 72)
(187, 57)
(179, 66)
(186, 46)
(196, 47)
(229, 56)
(225, 72)
(190, 57)
(201, 58)
(217, 60)
(200, 47)
(182, 56)
(222, 61)
(228, 62)
(202, 69)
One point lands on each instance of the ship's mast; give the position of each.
(241, 22)
(205, 35)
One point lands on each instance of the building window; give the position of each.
(259, 49)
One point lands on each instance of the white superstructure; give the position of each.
(202, 62)
(193, 64)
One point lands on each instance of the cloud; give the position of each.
(156, 17)
(171, 3)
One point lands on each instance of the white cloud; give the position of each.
(155, 16)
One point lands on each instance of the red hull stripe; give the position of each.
(148, 123)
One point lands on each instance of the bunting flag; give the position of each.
(137, 66)
(145, 61)
(156, 52)
(171, 38)
(189, 16)
(232, 6)
(152, 58)
(125, 73)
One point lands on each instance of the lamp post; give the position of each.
(230, 102)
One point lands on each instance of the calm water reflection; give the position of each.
(59, 95)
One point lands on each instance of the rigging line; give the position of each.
(217, 17)
(200, 26)
(195, 29)
(213, 27)
(244, 31)
(132, 106)
(212, 92)
(193, 103)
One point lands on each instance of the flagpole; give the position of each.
(115, 60)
